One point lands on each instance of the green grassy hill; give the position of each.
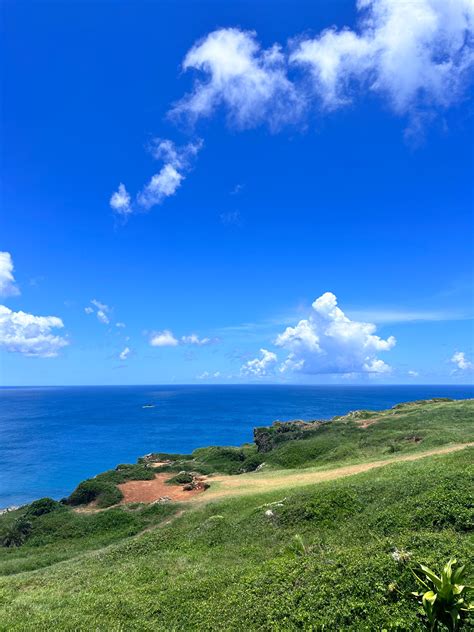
(336, 555)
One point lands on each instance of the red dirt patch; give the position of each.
(150, 491)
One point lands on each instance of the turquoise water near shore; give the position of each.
(52, 438)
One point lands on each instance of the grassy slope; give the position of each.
(392, 431)
(227, 561)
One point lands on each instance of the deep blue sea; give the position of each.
(52, 438)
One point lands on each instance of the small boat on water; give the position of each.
(148, 406)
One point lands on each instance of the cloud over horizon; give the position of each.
(30, 335)
(329, 342)
(260, 367)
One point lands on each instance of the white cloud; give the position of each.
(413, 54)
(413, 373)
(7, 280)
(163, 338)
(461, 362)
(193, 339)
(407, 315)
(162, 185)
(260, 367)
(177, 162)
(123, 355)
(121, 201)
(329, 342)
(120, 325)
(102, 311)
(166, 338)
(251, 83)
(30, 335)
(206, 375)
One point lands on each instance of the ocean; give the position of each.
(53, 438)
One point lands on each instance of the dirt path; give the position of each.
(149, 491)
(227, 486)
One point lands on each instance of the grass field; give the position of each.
(279, 553)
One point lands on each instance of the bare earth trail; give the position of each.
(224, 486)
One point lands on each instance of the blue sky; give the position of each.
(335, 164)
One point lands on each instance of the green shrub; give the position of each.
(16, 533)
(251, 463)
(181, 479)
(43, 506)
(94, 489)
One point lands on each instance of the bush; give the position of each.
(182, 478)
(43, 506)
(251, 463)
(94, 489)
(16, 533)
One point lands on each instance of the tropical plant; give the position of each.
(16, 533)
(444, 601)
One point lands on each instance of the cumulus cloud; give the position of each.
(177, 160)
(251, 83)
(329, 342)
(461, 362)
(121, 202)
(30, 335)
(101, 310)
(412, 53)
(260, 367)
(123, 355)
(7, 280)
(163, 338)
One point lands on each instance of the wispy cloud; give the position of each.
(166, 338)
(123, 355)
(101, 310)
(176, 163)
(382, 316)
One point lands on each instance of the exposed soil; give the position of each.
(150, 491)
